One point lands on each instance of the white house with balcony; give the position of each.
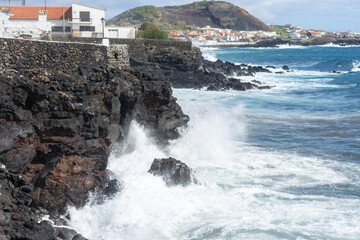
(87, 21)
(78, 20)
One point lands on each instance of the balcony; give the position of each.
(80, 21)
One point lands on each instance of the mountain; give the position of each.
(217, 14)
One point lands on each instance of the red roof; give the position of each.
(29, 12)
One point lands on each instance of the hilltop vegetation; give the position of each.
(216, 14)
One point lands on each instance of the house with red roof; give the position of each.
(80, 20)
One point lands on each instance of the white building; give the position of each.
(33, 22)
(119, 32)
(86, 20)
(79, 20)
(295, 36)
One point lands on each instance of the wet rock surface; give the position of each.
(173, 172)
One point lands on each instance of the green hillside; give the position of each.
(216, 14)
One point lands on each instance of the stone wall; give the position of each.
(68, 57)
(136, 46)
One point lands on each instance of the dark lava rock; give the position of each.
(257, 82)
(269, 66)
(17, 220)
(188, 69)
(112, 188)
(173, 172)
(79, 237)
(65, 233)
(58, 133)
(286, 68)
(264, 87)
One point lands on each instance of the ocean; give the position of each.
(273, 164)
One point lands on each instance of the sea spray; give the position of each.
(246, 191)
(275, 164)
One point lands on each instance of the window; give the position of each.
(60, 29)
(87, 28)
(84, 16)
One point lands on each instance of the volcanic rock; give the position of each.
(186, 68)
(286, 68)
(17, 220)
(59, 120)
(173, 172)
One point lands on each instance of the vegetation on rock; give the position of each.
(150, 31)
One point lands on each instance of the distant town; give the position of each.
(215, 36)
(85, 21)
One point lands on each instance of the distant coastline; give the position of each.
(278, 41)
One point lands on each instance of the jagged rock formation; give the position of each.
(17, 220)
(60, 117)
(183, 66)
(58, 133)
(217, 14)
(173, 172)
(186, 68)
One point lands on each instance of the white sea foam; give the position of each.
(337, 45)
(288, 46)
(356, 66)
(246, 191)
(210, 56)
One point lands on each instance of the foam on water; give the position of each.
(356, 66)
(210, 56)
(337, 45)
(249, 189)
(288, 46)
(247, 192)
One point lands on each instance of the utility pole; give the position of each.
(63, 21)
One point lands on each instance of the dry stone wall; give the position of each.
(136, 46)
(66, 57)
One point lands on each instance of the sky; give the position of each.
(330, 15)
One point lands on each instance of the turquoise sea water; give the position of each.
(273, 164)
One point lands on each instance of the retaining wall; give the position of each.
(136, 46)
(67, 57)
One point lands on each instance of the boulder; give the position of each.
(286, 68)
(173, 172)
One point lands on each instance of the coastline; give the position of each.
(62, 114)
(276, 42)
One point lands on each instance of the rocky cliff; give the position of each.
(217, 14)
(183, 66)
(62, 108)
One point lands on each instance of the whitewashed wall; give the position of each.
(95, 19)
(17, 28)
(121, 32)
